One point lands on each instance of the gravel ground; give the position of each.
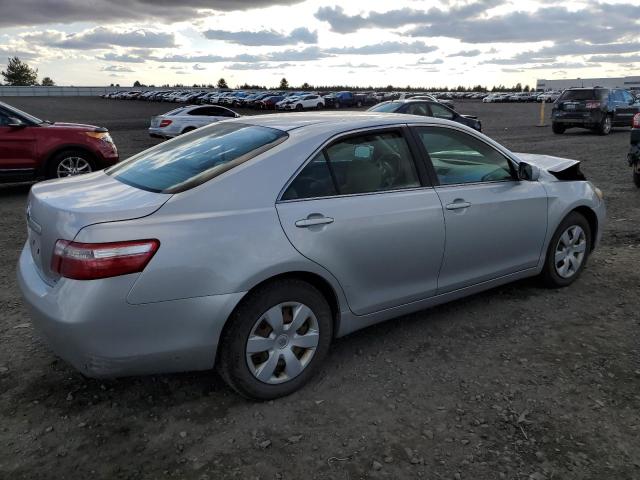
(516, 383)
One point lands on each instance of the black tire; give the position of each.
(636, 177)
(558, 128)
(358, 104)
(319, 106)
(232, 362)
(187, 130)
(299, 106)
(52, 167)
(605, 126)
(549, 274)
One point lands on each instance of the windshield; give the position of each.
(595, 94)
(190, 160)
(22, 114)
(386, 107)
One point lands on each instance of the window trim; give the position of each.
(402, 128)
(432, 171)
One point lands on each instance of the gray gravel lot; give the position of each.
(516, 383)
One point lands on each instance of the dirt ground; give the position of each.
(516, 383)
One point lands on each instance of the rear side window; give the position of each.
(440, 111)
(188, 161)
(374, 162)
(386, 107)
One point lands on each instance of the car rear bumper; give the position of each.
(90, 325)
(157, 132)
(589, 119)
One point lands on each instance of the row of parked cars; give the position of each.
(281, 99)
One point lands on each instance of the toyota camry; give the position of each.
(250, 244)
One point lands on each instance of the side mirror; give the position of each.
(527, 172)
(15, 123)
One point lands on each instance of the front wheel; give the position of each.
(276, 340)
(568, 251)
(70, 163)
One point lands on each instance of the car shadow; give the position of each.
(11, 189)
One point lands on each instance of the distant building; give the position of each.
(629, 83)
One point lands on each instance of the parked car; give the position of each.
(634, 150)
(426, 96)
(269, 102)
(304, 102)
(185, 119)
(251, 244)
(31, 148)
(598, 109)
(344, 100)
(427, 109)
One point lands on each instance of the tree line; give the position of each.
(19, 73)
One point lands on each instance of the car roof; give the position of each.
(342, 121)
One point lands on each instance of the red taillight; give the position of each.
(592, 105)
(165, 123)
(636, 120)
(91, 261)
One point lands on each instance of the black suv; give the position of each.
(598, 109)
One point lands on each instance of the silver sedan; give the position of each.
(251, 244)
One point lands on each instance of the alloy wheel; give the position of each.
(570, 251)
(71, 166)
(282, 342)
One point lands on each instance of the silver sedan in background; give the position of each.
(185, 119)
(252, 243)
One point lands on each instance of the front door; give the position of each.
(495, 224)
(360, 210)
(17, 146)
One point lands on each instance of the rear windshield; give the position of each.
(192, 159)
(595, 94)
(386, 107)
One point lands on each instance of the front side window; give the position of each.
(458, 157)
(188, 161)
(4, 119)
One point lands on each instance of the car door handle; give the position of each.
(312, 221)
(458, 205)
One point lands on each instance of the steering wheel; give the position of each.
(389, 165)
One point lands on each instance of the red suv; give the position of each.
(31, 148)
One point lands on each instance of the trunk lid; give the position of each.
(59, 209)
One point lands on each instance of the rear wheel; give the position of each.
(70, 163)
(187, 130)
(568, 251)
(558, 128)
(636, 176)
(319, 106)
(276, 340)
(605, 126)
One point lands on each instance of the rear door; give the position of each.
(17, 146)
(363, 210)
(627, 108)
(495, 224)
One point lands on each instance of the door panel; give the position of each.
(385, 249)
(495, 224)
(499, 230)
(17, 148)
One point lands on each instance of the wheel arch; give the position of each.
(46, 165)
(314, 279)
(592, 219)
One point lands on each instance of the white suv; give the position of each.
(305, 101)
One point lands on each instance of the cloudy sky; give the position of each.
(372, 42)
